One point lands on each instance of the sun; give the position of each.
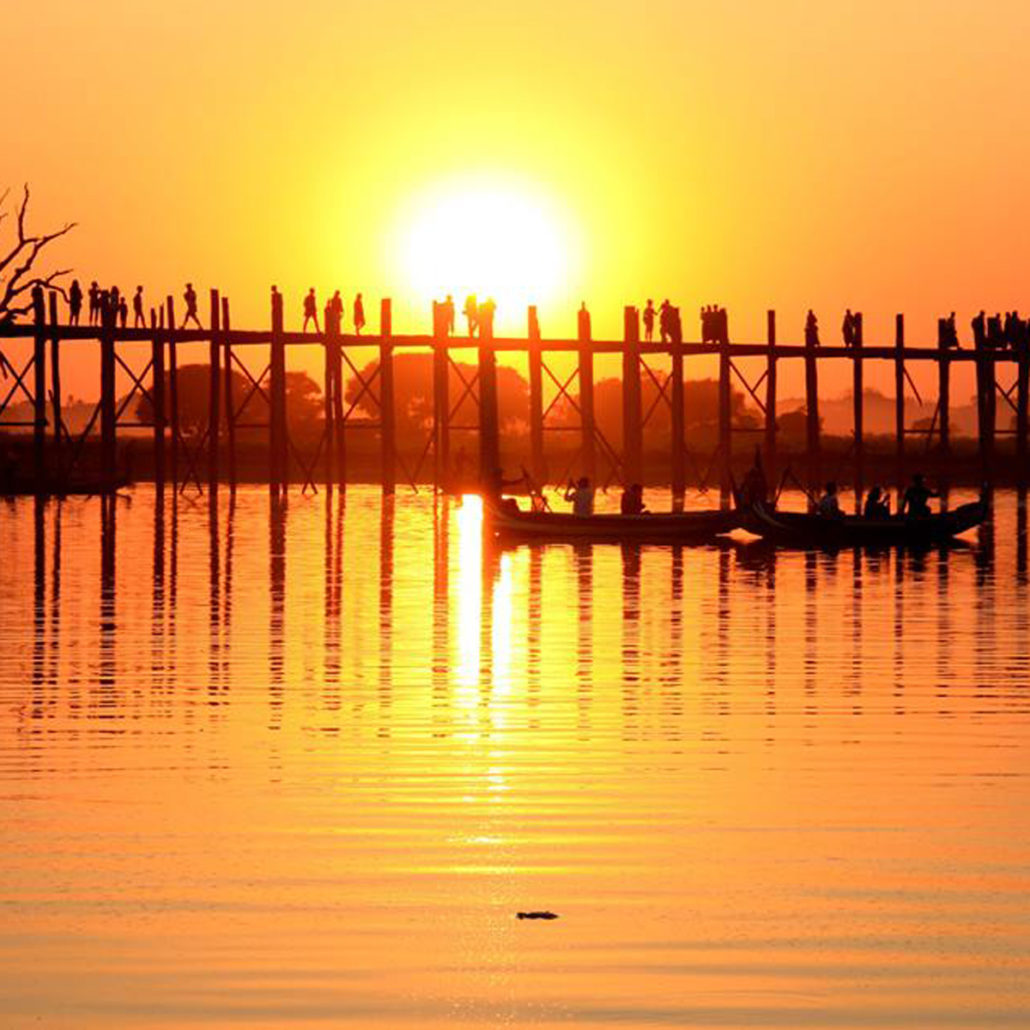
(492, 239)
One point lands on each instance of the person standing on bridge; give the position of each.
(74, 302)
(335, 309)
(979, 326)
(848, 329)
(310, 310)
(649, 314)
(94, 303)
(190, 297)
(359, 314)
(811, 329)
(123, 312)
(471, 313)
(447, 315)
(485, 317)
(665, 321)
(137, 309)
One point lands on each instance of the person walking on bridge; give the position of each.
(137, 309)
(310, 311)
(359, 314)
(190, 297)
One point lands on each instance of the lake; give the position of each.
(274, 767)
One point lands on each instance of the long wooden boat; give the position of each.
(813, 530)
(667, 527)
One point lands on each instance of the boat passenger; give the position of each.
(877, 504)
(916, 495)
(633, 500)
(581, 494)
(829, 504)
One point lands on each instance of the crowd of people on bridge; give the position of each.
(1006, 331)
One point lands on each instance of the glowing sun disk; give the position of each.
(489, 241)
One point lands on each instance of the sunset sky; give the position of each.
(774, 153)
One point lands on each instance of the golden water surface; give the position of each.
(278, 768)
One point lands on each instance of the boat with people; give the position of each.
(507, 519)
(818, 530)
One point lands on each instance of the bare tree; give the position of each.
(17, 274)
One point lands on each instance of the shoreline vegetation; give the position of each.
(963, 466)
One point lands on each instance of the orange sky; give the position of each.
(775, 153)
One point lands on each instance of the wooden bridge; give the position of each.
(178, 459)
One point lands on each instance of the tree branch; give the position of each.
(26, 249)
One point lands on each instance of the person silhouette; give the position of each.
(311, 310)
(583, 321)
(359, 314)
(335, 309)
(664, 326)
(877, 504)
(137, 309)
(471, 313)
(848, 329)
(190, 297)
(447, 315)
(979, 327)
(581, 494)
(123, 312)
(74, 302)
(811, 329)
(829, 504)
(649, 316)
(94, 302)
(914, 501)
(485, 317)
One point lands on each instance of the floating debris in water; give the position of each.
(537, 915)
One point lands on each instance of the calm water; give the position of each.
(306, 770)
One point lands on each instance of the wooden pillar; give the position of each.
(678, 442)
(1022, 384)
(230, 400)
(108, 457)
(387, 411)
(858, 411)
(214, 413)
(770, 392)
(331, 342)
(339, 424)
(39, 390)
(536, 400)
(55, 384)
(725, 422)
(173, 388)
(944, 399)
(899, 394)
(278, 467)
(157, 396)
(489, 442)
(812, 443)
(587, 418)
(441, 399)
(632, 415)
(985, 410)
